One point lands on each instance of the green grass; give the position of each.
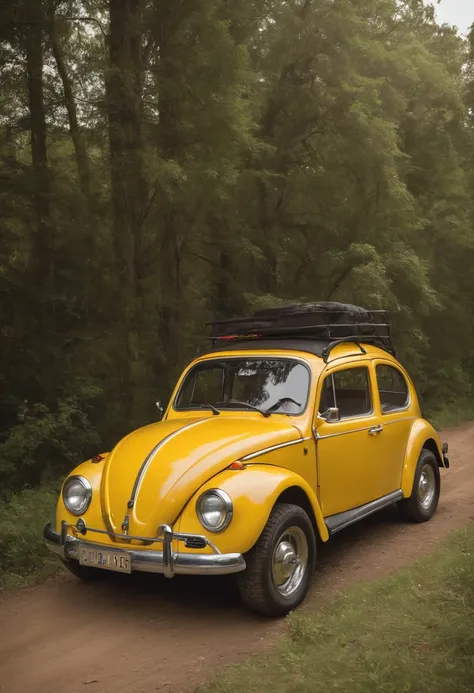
(451, 414)
(24, 559)
(413, 632)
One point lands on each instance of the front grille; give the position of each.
(194, 543)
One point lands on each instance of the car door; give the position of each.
(396, 418)
(348, 450)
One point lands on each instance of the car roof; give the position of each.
(309, 346)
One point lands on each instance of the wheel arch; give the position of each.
(430, 445)
(422, 437)
(295, 495)
(254, 491)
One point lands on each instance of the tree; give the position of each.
(166, 163)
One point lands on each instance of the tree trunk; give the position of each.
(128, 185)
(33, 37)
(170, 148)
(82, 162)
(268, 270)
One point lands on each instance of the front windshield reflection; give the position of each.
(277, 385)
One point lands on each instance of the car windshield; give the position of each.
(277, 386)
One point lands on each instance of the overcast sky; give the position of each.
(458, 12)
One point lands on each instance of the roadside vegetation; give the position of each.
(449, 414)
(411, 632)
(24, 559)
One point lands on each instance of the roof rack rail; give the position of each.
(325, 321)
(356, 340)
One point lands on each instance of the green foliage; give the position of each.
(43, 440)
(447, 414)
(24, 557)
(410, 632)
(207, 159)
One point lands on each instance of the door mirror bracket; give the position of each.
(331, 415)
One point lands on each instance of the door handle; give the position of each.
(376, 429)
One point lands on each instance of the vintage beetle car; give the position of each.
(296, 423)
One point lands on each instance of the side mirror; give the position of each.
(159, 406)
(331, 415)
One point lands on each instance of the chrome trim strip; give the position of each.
(151, 455)
(344, 433)
(358, 430)
(405, 418)
(335, 523)
(252, 455)
(165, 562)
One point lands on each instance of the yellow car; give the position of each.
(294, 424)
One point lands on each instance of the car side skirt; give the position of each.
(335, 523)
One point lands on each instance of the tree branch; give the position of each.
(339, 281)
(201, 257)
(91, 20)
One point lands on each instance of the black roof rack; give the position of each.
(328, 323)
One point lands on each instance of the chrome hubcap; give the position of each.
(290, 559)
(426, 486)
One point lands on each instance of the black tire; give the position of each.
(256, 583)
(412, 509)
(83, 572)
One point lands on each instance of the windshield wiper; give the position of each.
(215, 412)
(264, 413)
(281, 401)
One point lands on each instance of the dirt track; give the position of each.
(146, 634)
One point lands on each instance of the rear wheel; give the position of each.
(422, 503)
(281, 564)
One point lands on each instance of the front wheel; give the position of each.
(281, 564)
(83, 572)
(422, 503)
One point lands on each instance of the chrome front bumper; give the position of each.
(151, 561)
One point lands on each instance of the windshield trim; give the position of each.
(260, 357)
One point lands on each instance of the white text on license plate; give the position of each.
(103, 558)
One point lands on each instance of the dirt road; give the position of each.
(146, 634)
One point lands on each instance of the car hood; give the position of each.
(150, 474)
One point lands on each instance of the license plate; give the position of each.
(120, 561)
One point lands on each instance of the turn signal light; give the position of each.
(237, 465)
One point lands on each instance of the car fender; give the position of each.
(94, 517)
(254, 491)
(422, 435)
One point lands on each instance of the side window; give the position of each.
(349, 390)
(393, 388)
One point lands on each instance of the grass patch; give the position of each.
(24, 559)
(450, 415)
(412, 632)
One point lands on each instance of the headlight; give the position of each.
(77, 494)
(214, 509)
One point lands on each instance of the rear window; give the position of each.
(393, 388)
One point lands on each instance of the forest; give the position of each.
(166, 163)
